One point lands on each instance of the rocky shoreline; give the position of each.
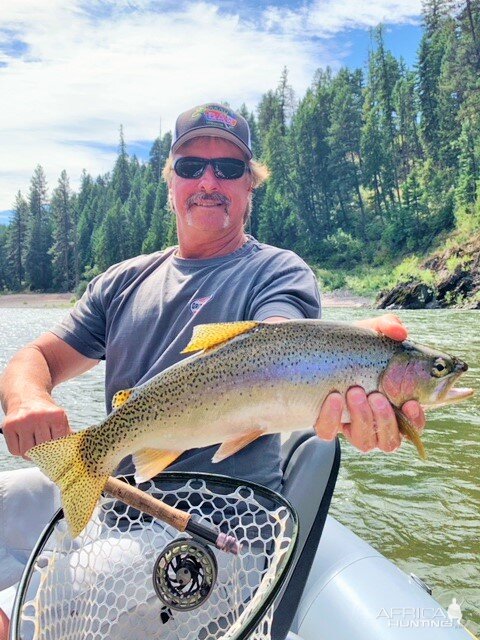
(454, 282)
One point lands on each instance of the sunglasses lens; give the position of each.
(224, 168)
(190, 167)
(229, 168)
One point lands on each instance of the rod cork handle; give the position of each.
(148, 504)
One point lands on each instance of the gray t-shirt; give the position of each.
(139, 315)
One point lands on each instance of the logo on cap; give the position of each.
(215, 116)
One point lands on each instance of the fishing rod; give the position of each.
(176, 518)
(126, 576)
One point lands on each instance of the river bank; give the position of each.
(343, 299)
(36, 300)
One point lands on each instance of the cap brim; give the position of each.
(212, 132)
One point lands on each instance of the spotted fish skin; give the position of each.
(268, 378)
(281, 368)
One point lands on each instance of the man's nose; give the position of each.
(208, 182)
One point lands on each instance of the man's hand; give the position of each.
(31, 415)
(372, 421)
(39, 421)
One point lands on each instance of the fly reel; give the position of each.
(99, 585)
(184, 574)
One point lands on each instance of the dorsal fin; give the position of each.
(121, 397)
(206, 336)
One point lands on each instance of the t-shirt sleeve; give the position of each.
(84, 327)
(291, 293)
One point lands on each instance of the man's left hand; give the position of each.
(372, 421)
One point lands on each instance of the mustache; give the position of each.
(208, 198)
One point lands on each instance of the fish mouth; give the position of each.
(456, 394)
(447, 393)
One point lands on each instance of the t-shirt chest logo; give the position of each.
(197, 304)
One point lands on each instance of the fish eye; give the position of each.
(440, 368)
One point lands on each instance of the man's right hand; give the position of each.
(31, 415)
(28, 425)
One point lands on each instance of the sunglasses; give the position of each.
(223, 168)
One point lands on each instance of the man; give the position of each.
(139, 315)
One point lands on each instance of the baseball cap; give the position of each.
(214, 120)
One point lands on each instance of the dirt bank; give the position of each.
(53, 300)
(35, 300)
(345, 299)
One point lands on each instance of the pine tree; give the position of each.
(38, 264)
(121, 179)
(112, 240)
(467, 189)
(62, 251)
(276, 221)
(382, 77)
(269, 112)
(406, 108)
(311, 180)
(373, 152)
(157, 236)
(5, 276)
(77, 271)
(345, 161)
(435, 66)
(147, 199)
(254, 134)
(16, 242)
(159, 154)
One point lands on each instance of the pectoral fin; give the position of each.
(206, 336)
(229, 447)
(149, 462)
(408, 430)
(121, 397)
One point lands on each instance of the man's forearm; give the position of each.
(27, 376)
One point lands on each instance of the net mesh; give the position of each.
(100, 585)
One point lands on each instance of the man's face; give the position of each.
(209, 204)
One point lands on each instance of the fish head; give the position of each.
(417, 372)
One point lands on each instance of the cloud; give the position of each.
(72, 71)
(86, 68)
(325, 18)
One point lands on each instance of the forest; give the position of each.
(370, 166)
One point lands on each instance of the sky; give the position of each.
(73, 71)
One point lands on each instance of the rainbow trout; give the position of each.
(248, 379)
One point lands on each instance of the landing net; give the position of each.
(104, 584)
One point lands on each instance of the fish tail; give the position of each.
(63, 462)
(408, 430)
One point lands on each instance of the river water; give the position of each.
(425, 516)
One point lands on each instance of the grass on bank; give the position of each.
(369, 281)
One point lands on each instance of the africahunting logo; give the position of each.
(215, 115)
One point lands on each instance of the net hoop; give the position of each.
(277, 581)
